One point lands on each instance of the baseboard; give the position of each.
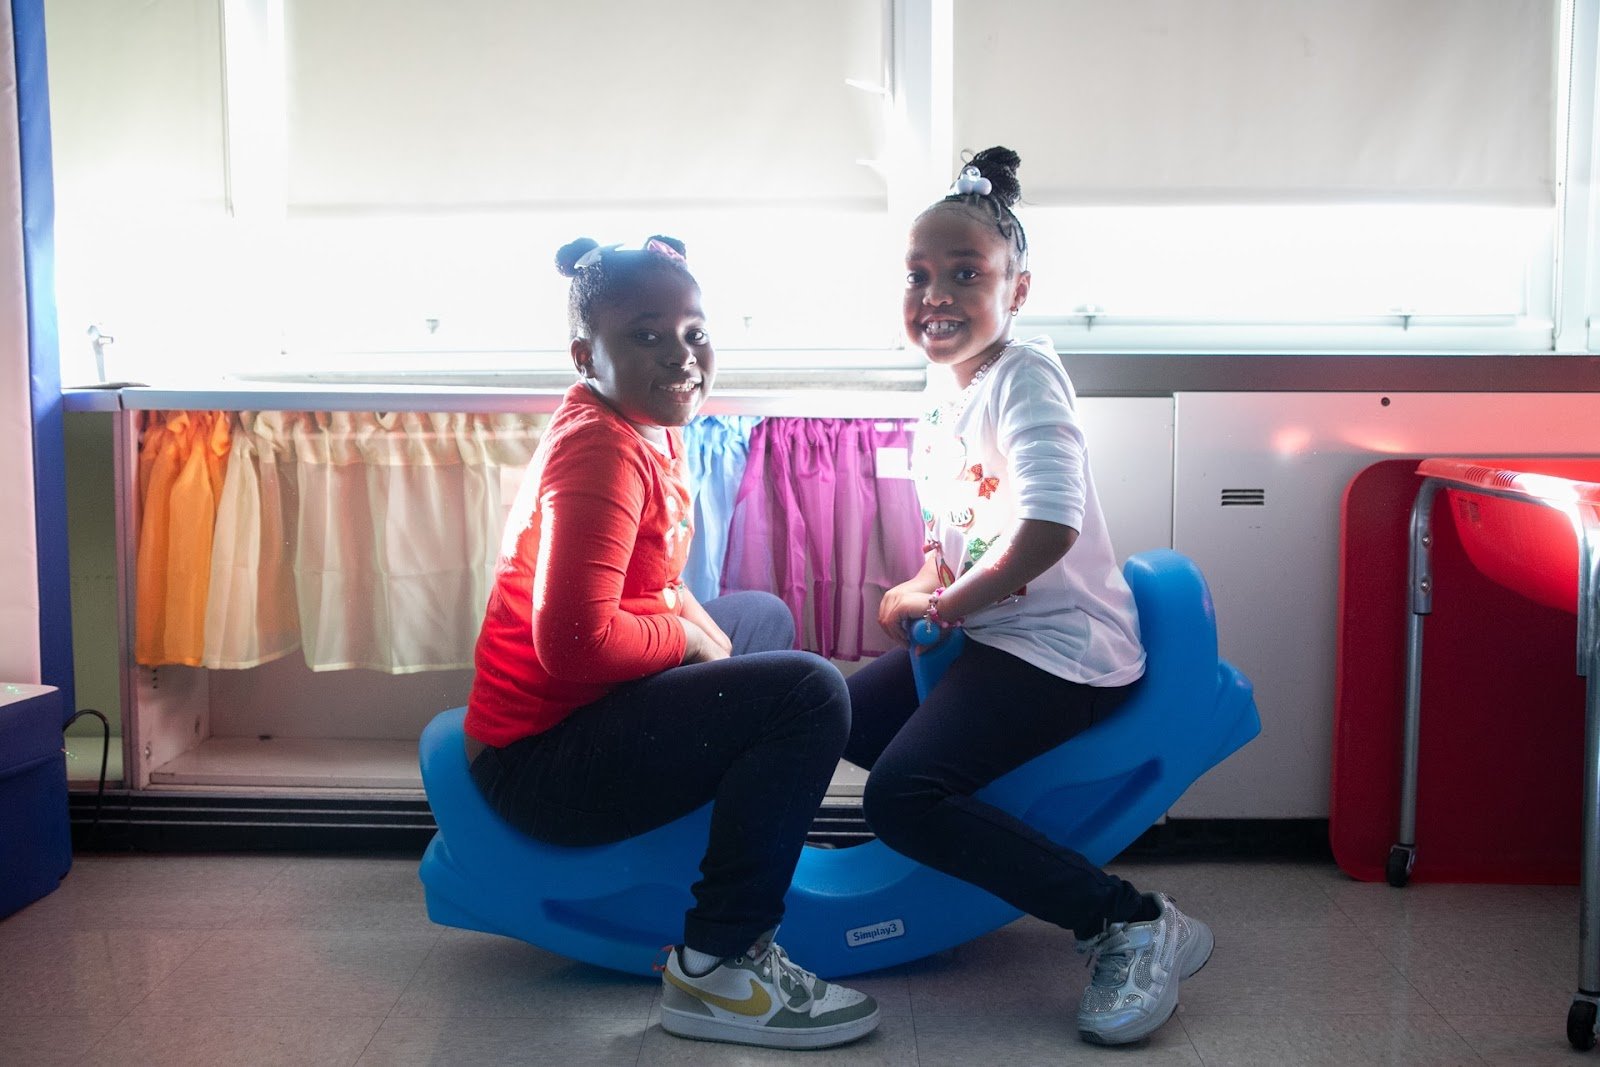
(1259, 839)
(130, 821)
(147, 821)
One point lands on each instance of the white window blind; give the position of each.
(1250, 101)
(514, 104)
(136, 106)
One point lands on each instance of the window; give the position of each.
(281, 186)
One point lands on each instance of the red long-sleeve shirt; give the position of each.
(589, 574)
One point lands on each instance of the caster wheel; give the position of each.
(1398, 869)
(1580, 1024)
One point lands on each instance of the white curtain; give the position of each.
(251, 615)
(399, 523)
(19, 556)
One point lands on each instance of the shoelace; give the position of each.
(777, 966)
(1112, 963)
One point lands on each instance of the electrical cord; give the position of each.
(105, 753)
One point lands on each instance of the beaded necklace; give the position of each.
(959, 404)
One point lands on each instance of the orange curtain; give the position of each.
(182, 459)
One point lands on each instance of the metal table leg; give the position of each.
(1581, 1016)
(1419, 579)
(1585, 515)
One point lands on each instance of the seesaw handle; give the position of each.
(932, 651)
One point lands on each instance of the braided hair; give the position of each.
(998, 165)
(599, 273)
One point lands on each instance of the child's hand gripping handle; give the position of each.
(932, 651)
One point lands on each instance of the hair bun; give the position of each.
(999, 164)
(569, 254)
(672, 243)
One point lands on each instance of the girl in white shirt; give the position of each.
(1019, 556)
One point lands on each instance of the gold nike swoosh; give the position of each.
(757, 1003)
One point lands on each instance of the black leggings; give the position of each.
(990, 713)
(759, 733)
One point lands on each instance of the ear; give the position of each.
(1019, 296)
(583, 356)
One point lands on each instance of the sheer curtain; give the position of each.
(365, 539)
(827, 518)
(399, 522)
(182, 459)
(251, 615)
(717, 446)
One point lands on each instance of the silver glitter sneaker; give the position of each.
(1137, 967)
(762, 998)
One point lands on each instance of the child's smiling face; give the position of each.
(650, 357)
(961, 291)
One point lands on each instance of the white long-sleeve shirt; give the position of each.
(1009, 448)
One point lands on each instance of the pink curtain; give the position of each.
(827, 518)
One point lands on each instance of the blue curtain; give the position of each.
(718, 446)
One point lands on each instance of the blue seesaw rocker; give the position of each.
(854, 909)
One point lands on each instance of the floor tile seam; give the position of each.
(1553, 1016)
(1228, 925)
(1177, 1017)
(262, 886)
(1471, 1049)
(1298, 875)
(1463, 1038)
(1430, 1001)
(532, 1014)
(911, 1021)
(164, 979)
(1301, 1012)
(279, 1013)
(1442, 910)
(644, 1032)
(276, 868)
(650, 1012)
(1069, 1008)
(212, 1016)
(97, 1042)
(438, 936)
(213, 934)
(1375, 941)
(376, 1030)
(1355, 920)
(54, 925)
(912, 1016)
(1432, 922)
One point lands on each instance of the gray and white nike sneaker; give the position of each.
(1137, 968)
(762, 998)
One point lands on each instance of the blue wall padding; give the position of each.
(49, 444)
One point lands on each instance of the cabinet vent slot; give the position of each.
(1244, 498)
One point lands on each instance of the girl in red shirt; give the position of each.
(608, 701)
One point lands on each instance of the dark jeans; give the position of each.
(990, 713)
(760, 734)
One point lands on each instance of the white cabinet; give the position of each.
(1273, 566)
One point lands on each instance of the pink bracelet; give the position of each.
(932, 614)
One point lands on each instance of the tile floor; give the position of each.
(264, 959)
